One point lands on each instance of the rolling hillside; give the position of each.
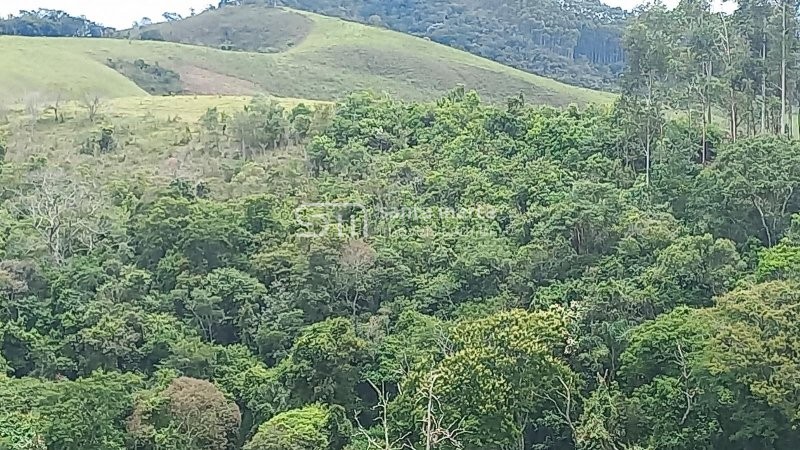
(283, 53)
(574, 41)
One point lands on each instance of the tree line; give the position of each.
(51, 23)
(737, 68)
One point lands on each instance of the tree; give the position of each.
(731, 45)
(355, 261)
(756, 341)
(262, 125)
(664, 370)
(55, 106)
(92, 103)
(72, 415)
(697, 60)
(189, 414)
(33, 105)
(3, 151)
(648, 46)
(21, 431)
(313, 427)
(324, 364)
(485, 386)
(213, 127)
(753, 188)
(68, 214)
(223, 305)
(172, 17)
(602, 424)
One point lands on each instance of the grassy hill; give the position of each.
(577, 41)
(297, 54)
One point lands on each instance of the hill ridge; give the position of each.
(334, 58)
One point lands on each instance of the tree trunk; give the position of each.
(783, 69)
(764, 85)
(703, 146)
(647, 154)
(733, 115)
(648, 132)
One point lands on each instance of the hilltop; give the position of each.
(575, 41)
(255, 49)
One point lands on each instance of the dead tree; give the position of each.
(92, 103)
(386, 442)
(65, 212)
(435, 433)
(55, 106)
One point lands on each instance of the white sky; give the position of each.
(122, 13)
(112, 13)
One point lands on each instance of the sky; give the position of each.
(121, 13)
(112, 13)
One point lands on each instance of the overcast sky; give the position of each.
(122, 13)
(113, 13)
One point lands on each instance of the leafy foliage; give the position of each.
(384, 275)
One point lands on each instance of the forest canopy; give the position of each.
(388, 275)
(523, 279)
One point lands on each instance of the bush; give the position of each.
(151, 35)
(152, 78)
(102, 141)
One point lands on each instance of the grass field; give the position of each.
(325, 61)
(264, 30)
(189, 108)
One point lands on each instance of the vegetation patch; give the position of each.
(153, 78)
(50, 23)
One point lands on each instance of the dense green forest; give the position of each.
(445, 275)
(388, 275)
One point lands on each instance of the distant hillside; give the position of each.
(266, 30)
(575, 41)
(313, 57)
(50, 23)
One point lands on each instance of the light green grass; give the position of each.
(41, 66)
(335, 58)
(189, 108)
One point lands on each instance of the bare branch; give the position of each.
(65, 212)
(383, 407)
(686, 374)
(92, 103)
